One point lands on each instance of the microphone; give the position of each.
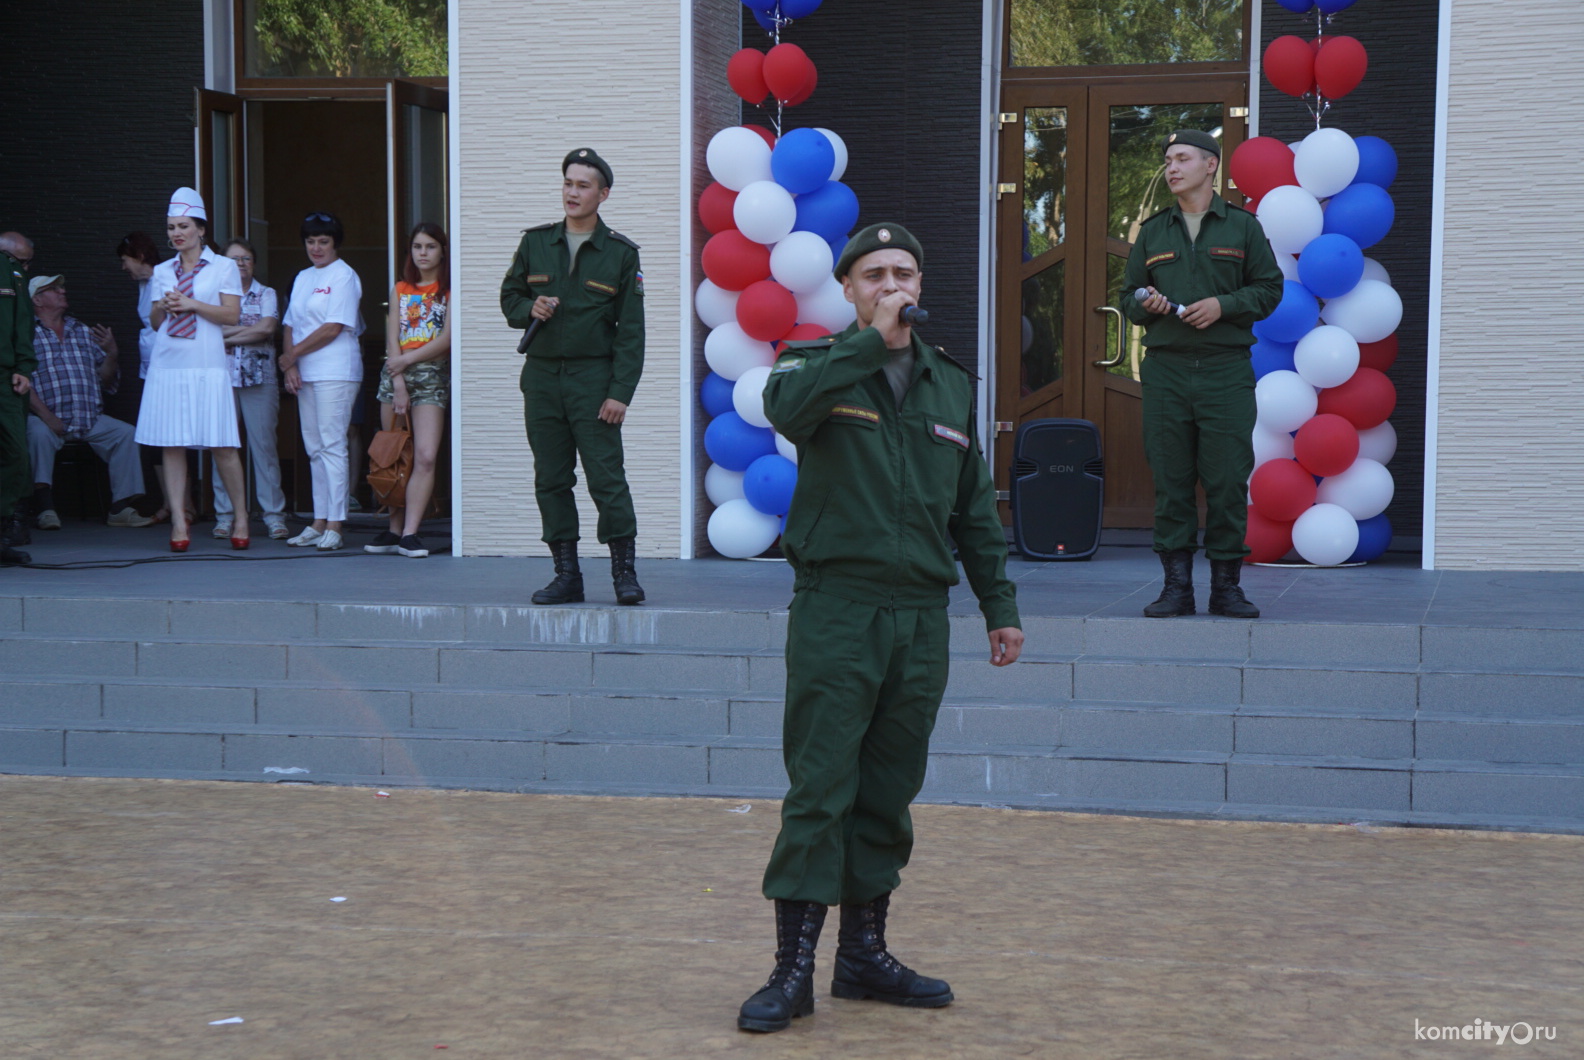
(528, 335)
(912, 315)
(1142, 295)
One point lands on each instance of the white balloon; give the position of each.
(827, 306)
(721, 485)
(1291, 218)
(1374, 270)
(1326, 162)
(1293, 145)
(841, 153)
(1327, 356)
(802, 262)
(1325, 535)
(785, 447)
(738, 530)
(1284, 401)
(1271, 445)
(1378, 443)
(1369, 312)
(737, 157)
(748, 396)
(1288, 265)
(730, 351)
(715, 305)
(1364, 490)
(764, 212)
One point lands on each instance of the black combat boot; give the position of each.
(1226, 596)
(624, 553)
(790, 990)
(16, 526)
(1176, 596)
(866, 971)
(13, 557)
(567, 588)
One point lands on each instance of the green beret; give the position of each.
(1193, 138)
(586, 156)
(878, 237)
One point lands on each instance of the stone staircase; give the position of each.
(1451, 725)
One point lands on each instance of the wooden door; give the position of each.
(219, 163)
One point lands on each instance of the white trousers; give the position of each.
(110, 438)
(258, 407)
(325, 409)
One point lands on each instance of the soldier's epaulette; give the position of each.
(540, 228)
(810, 344)
(623, 239)
(1238, 206)
(1157, 213)
(954, 362)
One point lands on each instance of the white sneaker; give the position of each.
(128, 516)
(277, 526)
(222, 527)
(48, 520)
(306, 538)
(329, 541)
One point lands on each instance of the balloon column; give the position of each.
(1322, 440)
(778, 216)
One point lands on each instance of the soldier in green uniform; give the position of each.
(889, 476)
(582, 283)
(17, 364)
(1211, 258)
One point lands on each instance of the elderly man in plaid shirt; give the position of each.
(76, 367)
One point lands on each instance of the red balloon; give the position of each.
(1260, 164)
(1340, 67)
(764, 134)
(745, 74)
(767, 311)
(1326, 445)
(1282, 490)
(715, 208)
(1366, 400)
(1378, 355)
(787, 69)
(802, 333)
(732, 261)
(1289, 65)
(1267, 539)
(803, 94)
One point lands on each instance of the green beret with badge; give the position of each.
(587, 156)
(1193, 138)
(884, 236)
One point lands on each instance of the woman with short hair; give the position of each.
(250, 351)
(323, 367)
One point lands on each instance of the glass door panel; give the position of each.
(220, 163)
(417, 161)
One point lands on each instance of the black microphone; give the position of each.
(912, 316)
(528, 335)
(1142, 295)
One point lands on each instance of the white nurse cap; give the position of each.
(187, 203)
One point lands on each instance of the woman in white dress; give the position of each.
(323, 365)
(187, 402)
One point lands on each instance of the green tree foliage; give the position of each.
(349, 38)
(1107, 32)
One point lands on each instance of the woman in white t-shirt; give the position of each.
(324, 367)
(187, 401)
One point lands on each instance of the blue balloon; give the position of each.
(1331, 265)
(1362, 212)
(1375, 534)
(1294, 318)
(1295, 6)
(837, 245)
(1331, 7)
(715, 394)
(766, 22)
(768, 484)
(1377, 161)
(802, 161)
(734, 443)
(765, 7)
(798, 8)
(830, 211)
(1270, 356)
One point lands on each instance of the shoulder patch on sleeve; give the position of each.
(623, 239)
(788, 364)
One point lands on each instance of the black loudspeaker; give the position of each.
(1058, 489)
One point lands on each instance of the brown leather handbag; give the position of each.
(390, 463)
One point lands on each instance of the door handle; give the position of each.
(1121, 343)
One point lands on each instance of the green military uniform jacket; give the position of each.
(1232, 261)
(601, 313)
(879, 489)
(16, 322)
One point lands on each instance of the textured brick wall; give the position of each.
(98, 133)
(1397, 103)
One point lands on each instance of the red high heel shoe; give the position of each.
(240, 544)
(180, 546)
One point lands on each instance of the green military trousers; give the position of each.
(16, 474)
(561, 403)
(863, 687)
(1199, 428)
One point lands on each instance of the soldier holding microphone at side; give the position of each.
(1209, 274)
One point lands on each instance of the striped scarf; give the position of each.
(185, 325)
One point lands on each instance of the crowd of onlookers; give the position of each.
(215, 350)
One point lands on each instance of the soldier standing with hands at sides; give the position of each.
(1212, 259)
(17, 365)
(580, 286)
(887, 468)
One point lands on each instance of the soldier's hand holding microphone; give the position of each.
(1200, 314)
